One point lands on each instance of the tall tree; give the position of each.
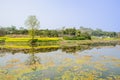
(33, 24)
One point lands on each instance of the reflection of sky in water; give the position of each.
(104, 59)
(56, 56)
(105, 51)
(59, 56)
(5, 59)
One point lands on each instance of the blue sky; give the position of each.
(54, 14)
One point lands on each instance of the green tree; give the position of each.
(118, 34)
(2, 32)
(78, 33)
(33, 24)
(70, 31)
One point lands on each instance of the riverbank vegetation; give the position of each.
(34, 36)
(64, 37)
(13, 31)
(48, 43)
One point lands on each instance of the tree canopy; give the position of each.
(33, 24)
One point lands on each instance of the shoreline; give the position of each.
(65, 45)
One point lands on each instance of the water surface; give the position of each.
(98, 63)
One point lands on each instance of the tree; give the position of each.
(33, 24)
(118, 34)
(70, 31)
(2, 32)
(78, 33)
(13, 29)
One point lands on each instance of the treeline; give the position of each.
(12, 30)
(99, 32)
(66, 33)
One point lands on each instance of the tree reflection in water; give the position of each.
(74, 49)
(61, 65)
(33, 60)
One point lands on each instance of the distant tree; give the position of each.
(113, 34)
(86, 35)
(84, 29)
(13, 29)
(2, 32)
(98, 32)
(118, 34)
(22, 31)
(62, 31)
(33, 24)
(70, 31)
(53, 33)
(21, 28)
(78, 33)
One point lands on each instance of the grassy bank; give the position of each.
(8, 40)
(23, 43)
(90, 42)
(28, 47)
(46, 42)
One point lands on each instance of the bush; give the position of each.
(86, 36)
(73, 38)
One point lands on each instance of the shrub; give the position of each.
(76, 38)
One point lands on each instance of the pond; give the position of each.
(67, 63)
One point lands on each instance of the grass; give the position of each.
(90, 42)
(2, 39)
(28, 47)
(111, 38)
(27, 39)
(46, 41)
(8, 39)
(17, 39)
(22, 43)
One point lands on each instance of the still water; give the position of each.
(97, 63)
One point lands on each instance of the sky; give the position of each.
(55, 14)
